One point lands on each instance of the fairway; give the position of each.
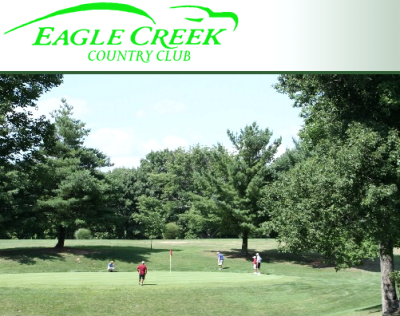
(36, 280)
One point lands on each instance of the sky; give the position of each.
(130, 115)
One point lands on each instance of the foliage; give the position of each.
(20, 132)
(171, 231)
(151, 217)
(236, 180)
(395, 277)
(71, 186)
(124, 190)
(174, 178)
(83, 233)
(343, 201)
(290, 158)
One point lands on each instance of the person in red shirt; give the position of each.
(255, 264)
(142, 269)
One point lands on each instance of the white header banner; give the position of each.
(171, 35)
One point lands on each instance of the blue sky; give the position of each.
(130, 115)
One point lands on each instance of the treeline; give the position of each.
(55, 184)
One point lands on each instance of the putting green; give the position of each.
(129, 279)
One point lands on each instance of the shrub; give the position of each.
(395, 277)
(83, 233)
(171, 231)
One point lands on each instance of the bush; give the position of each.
(171, 231)
(395, 277)
(83, 233)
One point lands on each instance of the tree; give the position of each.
(18, 217)
(122, 200)
(187, 200)
(73, 190)
(290, 158)
(20, 136)
(151, 217)
(343, 201)
(20, 133)
(169, 177)
(238, 179)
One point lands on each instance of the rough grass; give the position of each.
(36, 279)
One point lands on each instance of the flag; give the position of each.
(170, 260)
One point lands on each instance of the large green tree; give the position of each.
(73, 189)
(170, 177)
(21, 134)
(151, 216)
(198, 216)
(122, 200)
(175, 179)
(344, 200)
(237, 180)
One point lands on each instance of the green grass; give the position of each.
(36, 279)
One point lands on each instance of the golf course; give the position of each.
(37, 279)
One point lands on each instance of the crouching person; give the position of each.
(111, 267)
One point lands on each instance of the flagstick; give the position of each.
(170, 261)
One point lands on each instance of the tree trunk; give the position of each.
(61, 237)
(390, 304)
(245, 243)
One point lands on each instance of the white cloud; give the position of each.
(125, 161)
(152, 145)
(118, 144)
(168, 106)
(140, 113)
(112, 142)
(173, 142)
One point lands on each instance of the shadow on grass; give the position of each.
(371, 309)
(121, 254)
(273, 255)
(314, 260)
(374, 265)
(370, 265)
(29, 256)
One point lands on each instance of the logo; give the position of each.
(144, 43)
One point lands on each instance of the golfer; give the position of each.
(255, 264)
(142, 269)
(259, 259)
(110, 266)
(220, 260)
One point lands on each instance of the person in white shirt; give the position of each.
(259, 259)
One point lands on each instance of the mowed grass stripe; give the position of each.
(128, 279)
